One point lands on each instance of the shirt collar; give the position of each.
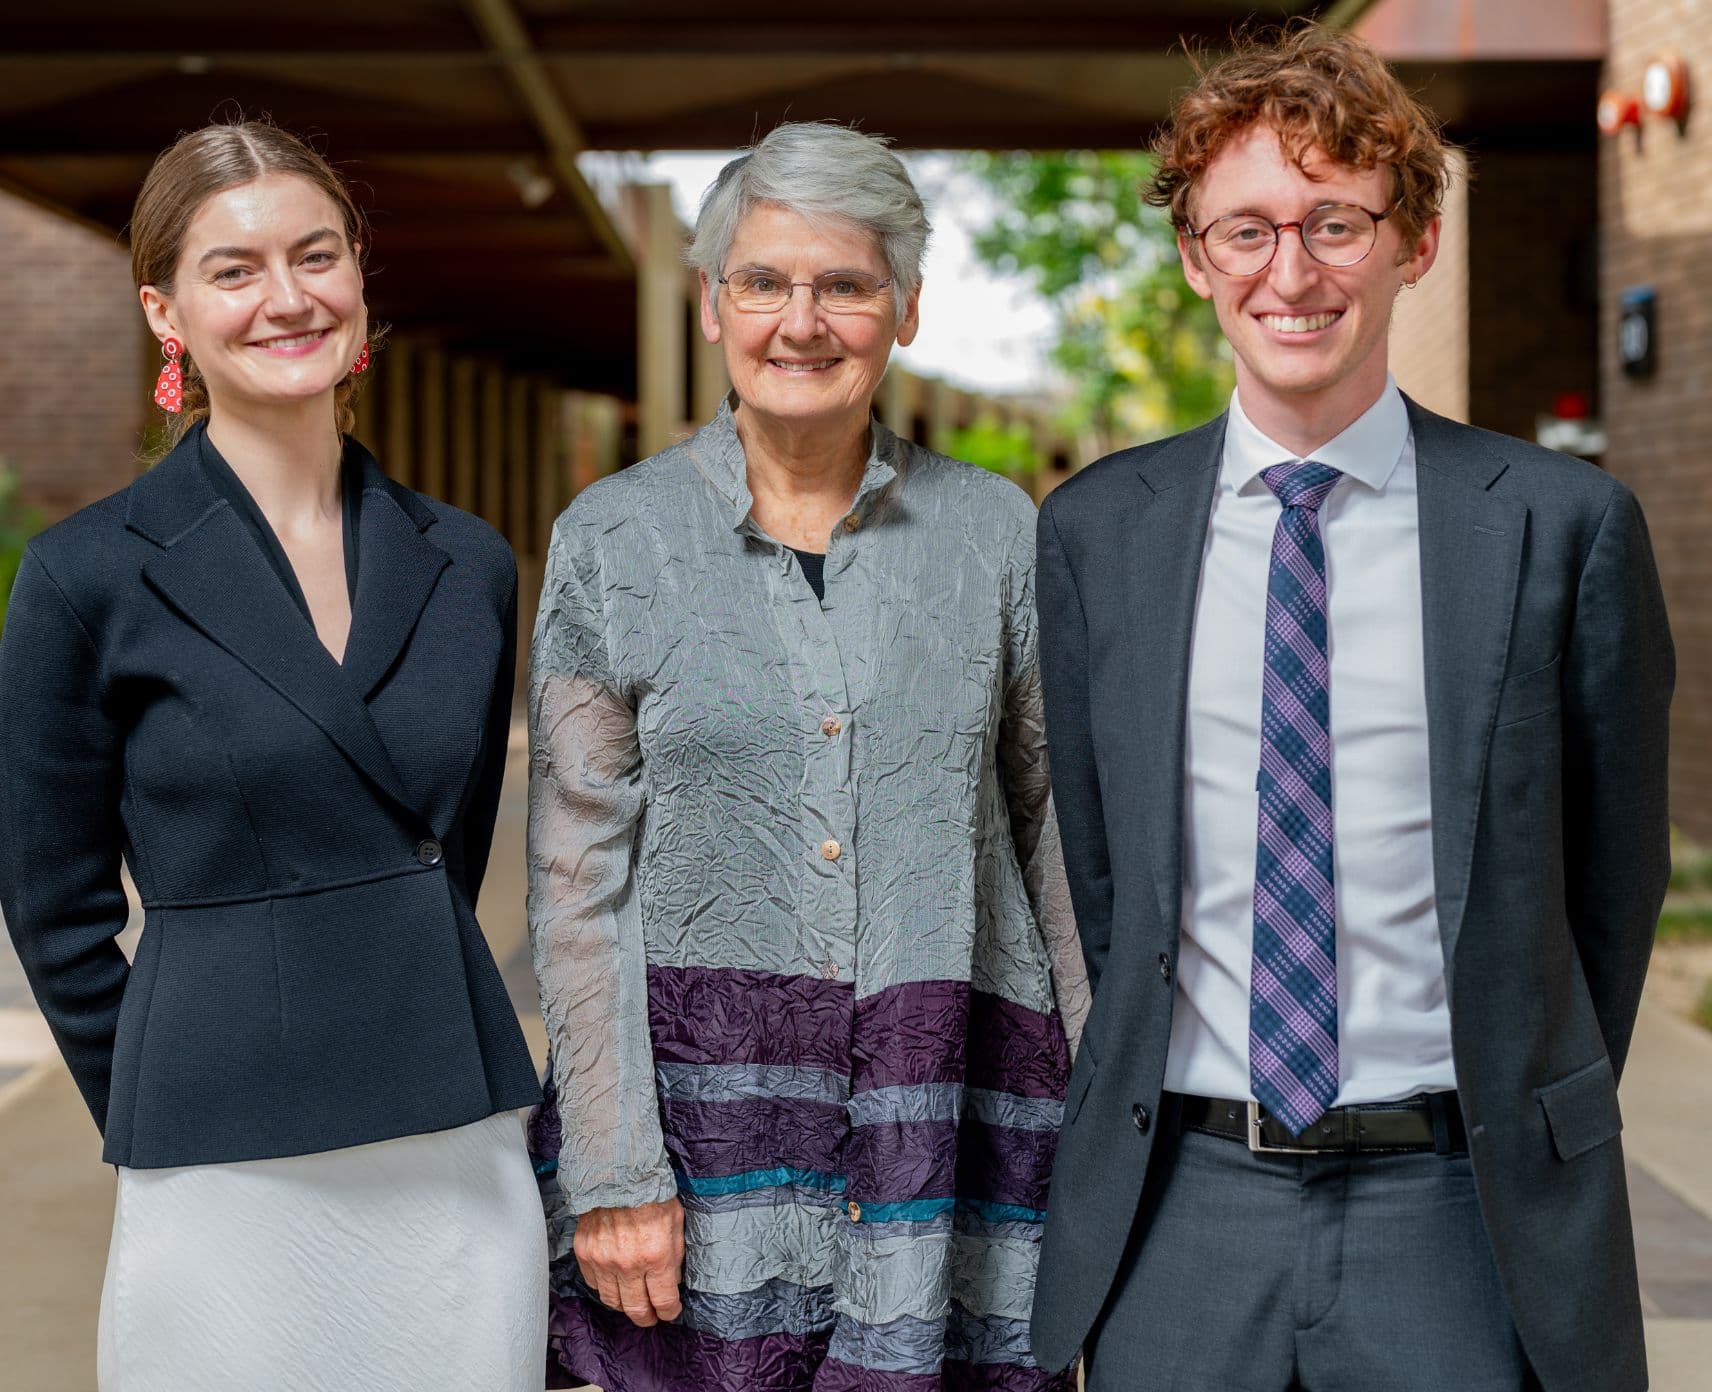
(718, 454)
(1366, 450)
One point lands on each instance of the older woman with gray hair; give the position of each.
(796, 897)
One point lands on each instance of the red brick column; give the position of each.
(1656, 220)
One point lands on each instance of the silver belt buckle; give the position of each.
(1260, 1147)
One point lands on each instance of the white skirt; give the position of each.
(407, 1265)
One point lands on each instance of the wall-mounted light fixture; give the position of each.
(1637, 331)
(1664, 87)
(1618, 109)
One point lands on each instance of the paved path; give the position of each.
(56, 1197)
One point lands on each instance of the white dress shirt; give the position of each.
(1393, 1020)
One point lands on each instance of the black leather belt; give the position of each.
(1429, 1121)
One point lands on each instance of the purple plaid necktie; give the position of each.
(1292, 1019)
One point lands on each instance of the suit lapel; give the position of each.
(1471, 550)
(398, 570)
(211, 573)
(1166, 550)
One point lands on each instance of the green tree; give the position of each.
(989, 442)
(16, 527)
(1143, 353)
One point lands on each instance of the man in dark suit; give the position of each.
(1358, 721)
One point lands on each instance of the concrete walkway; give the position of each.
(56, 1196)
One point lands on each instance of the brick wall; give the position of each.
(1429, 325)
(1657, 230)
(75, 360)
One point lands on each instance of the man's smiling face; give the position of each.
(1309, 339)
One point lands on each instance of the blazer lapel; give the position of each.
(210, 572)
(397, 572)
(1471, 551)
(1167, 547)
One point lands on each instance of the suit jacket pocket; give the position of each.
(1531, 693)
(1581, 1109)
(1081, 1077)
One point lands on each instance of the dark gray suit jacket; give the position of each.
(1549, 671)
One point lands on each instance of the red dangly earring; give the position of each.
(362, 362)
(169, 387)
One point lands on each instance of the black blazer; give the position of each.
(1548, 679)
(308, 839)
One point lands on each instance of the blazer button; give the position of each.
(1138, 1114)
(1164, 968)
(430, 853)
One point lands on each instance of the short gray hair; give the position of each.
(818, 170)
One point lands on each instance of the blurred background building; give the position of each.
(543, 324)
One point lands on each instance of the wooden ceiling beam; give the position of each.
(1346, 14)
(648, 29)
(358, 140)
(150, 55)
(395, 265)
(508, 41)
(643, 36)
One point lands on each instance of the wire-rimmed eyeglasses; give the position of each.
(760, 291)
(1334, 234)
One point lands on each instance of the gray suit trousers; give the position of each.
(1251, 1273)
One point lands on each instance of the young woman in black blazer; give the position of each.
(278, 686)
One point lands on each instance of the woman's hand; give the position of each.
(632, 1257)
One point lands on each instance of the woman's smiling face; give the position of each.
(799, 363)
(268, 298)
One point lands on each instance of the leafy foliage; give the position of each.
(1142, 351)
(1690, 866)
(1687, 912)
(1005, 449)
(16, 527)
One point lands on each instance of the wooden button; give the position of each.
(855, 1210)
(831, 726)
(852, 522)
(830, 850)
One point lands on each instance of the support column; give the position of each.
(431, 404)
(551, 494)
(595, 451)
(708, 379)
(660, 368)
(519, 418)
(464, 434)
(399, 381)
(491, 460)
(897, 400)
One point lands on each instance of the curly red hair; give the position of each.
(1319, 89)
